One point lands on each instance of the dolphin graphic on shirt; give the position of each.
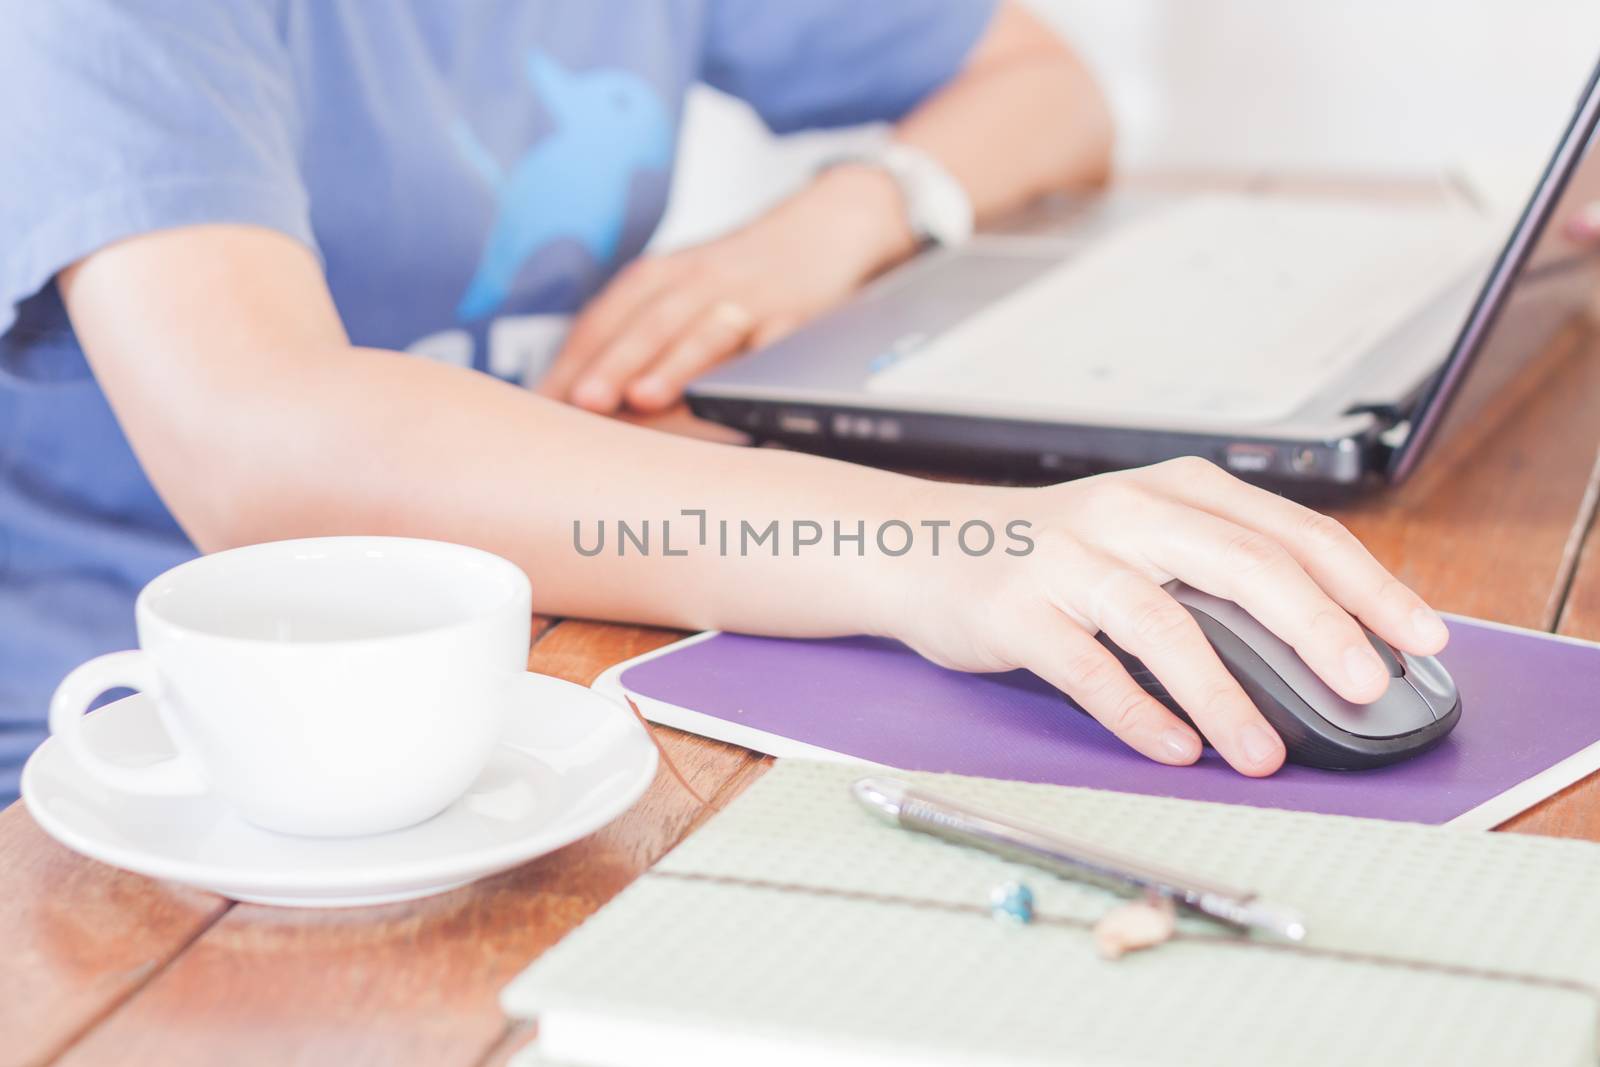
(608, 124)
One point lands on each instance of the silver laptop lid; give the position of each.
(1538, 282)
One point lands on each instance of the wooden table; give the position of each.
(101, 966)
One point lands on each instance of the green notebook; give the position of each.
(795, 928)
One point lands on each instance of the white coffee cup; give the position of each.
(327, 686)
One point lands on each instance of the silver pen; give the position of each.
(1012, 839)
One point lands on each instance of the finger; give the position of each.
(1061, 653)
(603, 317)
(719, 333)
(1334, 558)
(1146, 622)
(643, 339)
(1260, 575)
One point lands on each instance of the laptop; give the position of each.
(1306, 343)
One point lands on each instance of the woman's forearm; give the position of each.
(716, 536)
(257, 420)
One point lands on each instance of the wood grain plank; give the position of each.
(1573, 812)
(409, 983)
(79, 938)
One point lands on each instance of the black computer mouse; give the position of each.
(1319, 728)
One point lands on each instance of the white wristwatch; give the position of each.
(938, 209)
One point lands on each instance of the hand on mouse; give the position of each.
(1104, 546)
(669, 318)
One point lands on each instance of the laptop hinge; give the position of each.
(1387, 415)
(1393, 427)
(1394, 436)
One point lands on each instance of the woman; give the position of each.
(223, 221)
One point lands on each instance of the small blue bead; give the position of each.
(1012, 902)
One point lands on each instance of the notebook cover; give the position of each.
(795, 928)
(1530, 723)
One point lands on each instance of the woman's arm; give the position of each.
(225, 361)
(1022, 118)
(256, 419)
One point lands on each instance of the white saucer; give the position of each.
(571, 762)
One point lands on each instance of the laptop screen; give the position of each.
(1540, 282)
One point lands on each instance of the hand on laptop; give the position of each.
(1103, 548)
(666, 319)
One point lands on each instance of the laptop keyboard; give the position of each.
(1219, 307)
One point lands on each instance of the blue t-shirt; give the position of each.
(463, 170)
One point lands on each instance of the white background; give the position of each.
(1373, 87)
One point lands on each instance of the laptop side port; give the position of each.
(1249, 458)
(801, 422)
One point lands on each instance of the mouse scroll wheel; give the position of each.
(1391, 662)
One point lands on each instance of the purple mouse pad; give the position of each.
(1530, 724)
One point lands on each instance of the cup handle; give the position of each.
(177, 776)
